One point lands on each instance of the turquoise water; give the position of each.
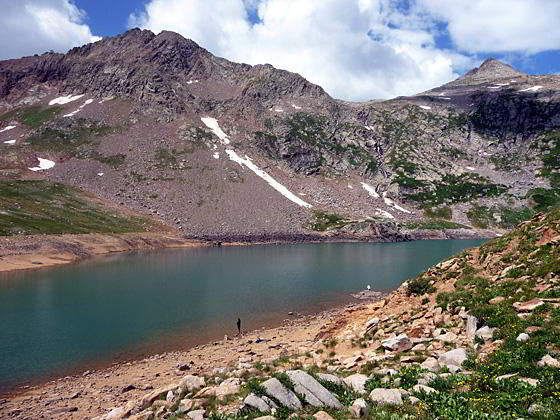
(61, 320)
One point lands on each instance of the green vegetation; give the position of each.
(550, 155)
(439, 213)
(419, 286)
(505, 217)
(327, 221)
(41, 207)
(544, 199)
(434, 224)
(32, 116)
(456, 189)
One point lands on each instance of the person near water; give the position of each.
(239, 325)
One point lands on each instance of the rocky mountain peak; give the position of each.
(490, 70)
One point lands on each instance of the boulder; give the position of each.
(256, 403)
(427, 378)
(357, 382)
(528, 306)
(191, 382)
(322, 415)
(266, 418)
(359, 408)
(430, 364)
(423, 389)
(283, 395)
(228, 387)
(386, 396)
(548, 360)
(399, 343)
(148, 399)
(330, 378)
(448, 337)
(372, 323)
(485, 332)
(496, 300)
(522, 337)
(315, 393)
(453, 358)
(472, 322)
(196, 414)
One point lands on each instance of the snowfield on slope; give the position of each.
(10, 127)
(212, 123)
(370, 190)
(89, 101)
(43, 164)
(531, 89)
(65, 99)
(391, 203)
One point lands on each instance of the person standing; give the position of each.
(239, 325)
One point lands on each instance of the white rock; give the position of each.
(523, 337)
(359, 408)
(453, 358)
(423, 388)
(386, 396)
(430, 364)
(357, 382)
(485, 332)
(399, 343)
(548, 360)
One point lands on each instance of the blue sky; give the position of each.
(355, 49)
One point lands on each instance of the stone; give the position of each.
(423, 389)
(548, 360)
(315, 393)
(427, 378)
(530, 381)
(528, 306)
(386, 396)
(170, 396)
(371, 323)
(496, 300)
(535, 409)
(322, 415)
(414, 400)
(228, 387)
(399, 343)
(448, 337)
(472, 322)
(453, 358)
(430, 364)
(196, 414)
(419, 347)
(522, 337)
(148, 399)
(359, 408)
(385, 371)
(143, 415)
(283, 395)
(357, 382)
(330, 378)
(485, 332)
(257, 403)
(191, 382)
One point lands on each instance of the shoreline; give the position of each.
(30, 252)
(72, 396)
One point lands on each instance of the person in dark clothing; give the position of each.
(239, 325)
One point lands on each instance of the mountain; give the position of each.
(159, 125)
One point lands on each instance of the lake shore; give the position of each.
(96, 391)
(28, 252)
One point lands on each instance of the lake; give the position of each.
(63, 320)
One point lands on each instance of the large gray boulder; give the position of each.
(472, 322)
(315, 393)
(330, 378)
(453, 358)
(191, 382)
(283, 395)
(257, 403)
(357, 382)
(386, 396)
(399, 343)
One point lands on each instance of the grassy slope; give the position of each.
(41, 207)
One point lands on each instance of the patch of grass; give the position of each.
(480, 216)
(419, 286)
(435, 224)
(327, 221)
(41, 207)
(32, 116)
(439, 213)
(544, 199)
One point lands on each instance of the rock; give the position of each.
(427, 378)
(283, 395)
(359, 408)
(191, 382)
(330, 378)
(530, 381)
(116, 413)
(399, 343)
(414, 400)
(485, 332)
(448, 337)
(148, 399)
(357, 382)
(386, 396)
(385, 371)
(496, 300)
(528, 306)
(127, 388)
(372, 323)
(419, 347)
(266, 418)
(170, 396)
(315, 393)
(321, 415)
(472, 322)
(430, 364)
(196, 414)
(535, 409)
(522, 337)
(548, 360)
(143, 415)
(453, 358)
(257, 403)
(511, 375)
(423, 389)
(228, 387)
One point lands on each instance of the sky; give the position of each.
(355, 49)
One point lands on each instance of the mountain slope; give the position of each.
(220, 149)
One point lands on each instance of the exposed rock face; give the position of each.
(453, 358)
(276, 390)
(315, 394)
(386, 396)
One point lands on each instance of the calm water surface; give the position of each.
(60, 320)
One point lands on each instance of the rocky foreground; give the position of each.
(473, 337)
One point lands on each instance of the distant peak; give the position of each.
(491, 69)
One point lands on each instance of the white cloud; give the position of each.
(499, 25)
(326, 41)
(30, 27)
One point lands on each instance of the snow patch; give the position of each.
(65, 99)
(89, 101)
(43, 164)
(247, 162)
(531, 89)
(350, 186)
(10, 127)
(442, 94)
(370, 190)
(216, 155)
(391, 203)
(190, 82)
(385, 214)
(213, 125)
(425, 107)
(100, 174)
(10, 142)
(502, 84)
(494, 87)
(470, 168)
(109, 98)
(369, 127)
(447, 99)
(296, 107)
(278, 110)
